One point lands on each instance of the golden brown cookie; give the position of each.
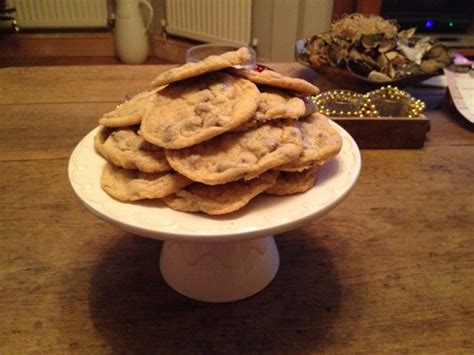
(219, 199)
(133, 185)
(289, 183)
(321, 143)
(128, 113)
(277, 104)
(239, 155)
(209, 64)
(125, 148)
(272, 78)
(195, 110)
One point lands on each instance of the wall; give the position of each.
(276, 24)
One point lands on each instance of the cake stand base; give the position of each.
(219, 272)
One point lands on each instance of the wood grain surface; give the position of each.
(391, 269)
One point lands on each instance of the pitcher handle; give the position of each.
(150, 13)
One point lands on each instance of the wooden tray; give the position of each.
(386, 132)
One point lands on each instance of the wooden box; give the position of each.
(386, 132)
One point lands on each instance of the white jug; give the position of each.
(131, 40)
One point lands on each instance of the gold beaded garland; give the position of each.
(414, 107)
(359, 105)
(328, 101)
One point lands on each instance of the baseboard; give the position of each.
(57, 44)
(84, 44)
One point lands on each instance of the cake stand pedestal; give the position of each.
(219, 272)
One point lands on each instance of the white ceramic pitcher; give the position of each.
(131, 39)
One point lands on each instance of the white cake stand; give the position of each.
(224, 258)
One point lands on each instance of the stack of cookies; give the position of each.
(210, 137)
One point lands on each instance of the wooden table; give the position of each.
(390, 269)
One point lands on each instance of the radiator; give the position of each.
(60, 13)
(225, 21)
